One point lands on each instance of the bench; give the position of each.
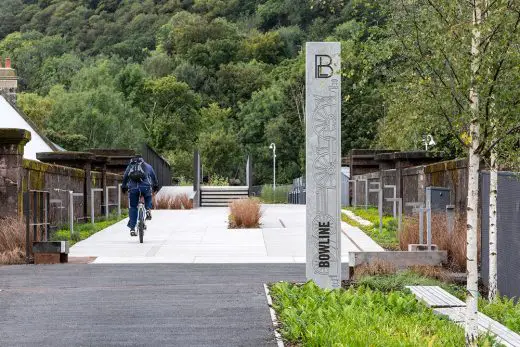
(434, 296)
(445, 304)
(51, 252)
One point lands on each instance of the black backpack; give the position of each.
(136, 172)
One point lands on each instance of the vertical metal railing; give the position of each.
(36, 206)
(92, 205)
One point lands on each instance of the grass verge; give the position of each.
(387, 238)
(278, 196)
(84, 231)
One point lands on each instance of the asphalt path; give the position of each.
(139, 304)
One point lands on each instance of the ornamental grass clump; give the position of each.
(454, 243)
(179, 202)
(244, 214)
(12, 241)
(377, 267)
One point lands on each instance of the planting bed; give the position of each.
(376, 309)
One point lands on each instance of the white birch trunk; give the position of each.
(493, 237)
(471, 242)
(473, 187)
(493, 191)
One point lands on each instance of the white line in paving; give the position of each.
(278, 337)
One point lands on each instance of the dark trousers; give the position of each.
(133, 196)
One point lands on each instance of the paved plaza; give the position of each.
(201, 236)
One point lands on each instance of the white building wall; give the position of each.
(9, 118)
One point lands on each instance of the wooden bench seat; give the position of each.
(445, 304)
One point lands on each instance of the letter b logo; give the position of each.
(323, 66)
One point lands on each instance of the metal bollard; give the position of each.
(450, 218)
(379, 191)
(92, 210)
(354, 201)
(394, 196)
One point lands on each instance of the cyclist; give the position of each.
(139, 179)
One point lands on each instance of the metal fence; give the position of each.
(160, 165)
(508, 226)
(297, 194)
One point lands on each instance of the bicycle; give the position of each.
(141, 218)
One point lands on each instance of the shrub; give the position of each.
(454, 244)
(216, 180)
(12, 241)
(245, 213)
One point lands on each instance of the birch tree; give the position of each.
(493, 229)
(462, 58)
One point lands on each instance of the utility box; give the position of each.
(439, 198)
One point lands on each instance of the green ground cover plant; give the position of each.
(387, 238)
(84, 231)
(359, 316)
(503, 310)
(375, 310)
(398, 282)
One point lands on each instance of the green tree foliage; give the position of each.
(37, 108)
(171, 115)
(225, 77)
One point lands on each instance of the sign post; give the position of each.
(323, 163)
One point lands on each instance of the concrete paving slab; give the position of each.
(186, 236)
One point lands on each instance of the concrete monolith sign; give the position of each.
(323, 162)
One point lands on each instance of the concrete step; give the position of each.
(224, 197)
(227, 192)
(226, 201)
(214, 204)
(223, 188)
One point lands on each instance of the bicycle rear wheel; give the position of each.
(141, 225)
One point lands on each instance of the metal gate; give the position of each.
(508, 226)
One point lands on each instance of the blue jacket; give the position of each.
(148, 182)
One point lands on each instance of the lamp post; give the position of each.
(273, 147)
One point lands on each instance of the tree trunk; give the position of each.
(473, 186)
(493, 239)
(471, 242)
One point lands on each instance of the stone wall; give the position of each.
(18, 175)
(58, 180)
